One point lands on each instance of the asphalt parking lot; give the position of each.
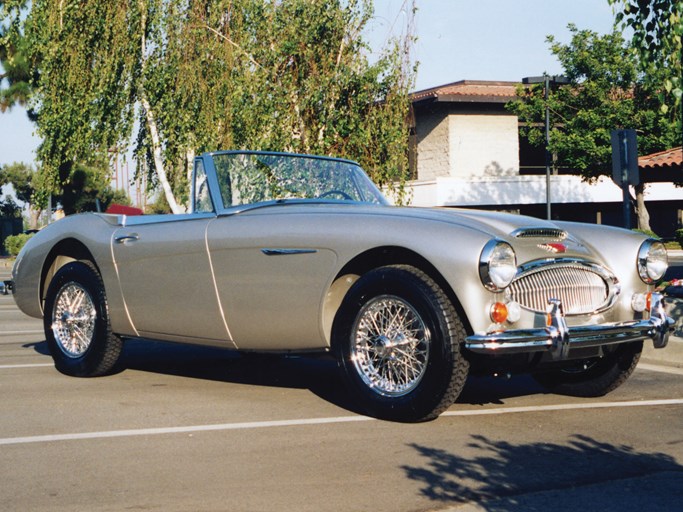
(191, 428)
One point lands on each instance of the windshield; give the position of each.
(247, 178)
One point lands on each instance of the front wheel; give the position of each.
(593, 377)
(76, 322)
(397, 338)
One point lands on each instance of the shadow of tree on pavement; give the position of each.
(583, 474)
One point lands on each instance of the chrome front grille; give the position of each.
(583, 288)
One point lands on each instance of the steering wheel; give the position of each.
(336, 192)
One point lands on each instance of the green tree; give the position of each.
(15, 79)
(658, 37)
(607, 91)
(84, 59)
(26, 183)
(285, 75)
(88, 189)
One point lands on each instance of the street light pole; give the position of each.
(546, 80)
(548, 157)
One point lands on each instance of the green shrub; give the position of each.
(679, 237)
(13, 244)
(648, 232)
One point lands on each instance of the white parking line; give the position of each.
(15, 333)
(317, 421)
(33, 365)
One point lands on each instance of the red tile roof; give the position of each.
(469, 91)
(671, 158)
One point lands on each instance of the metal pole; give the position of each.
(546, 86)
(625, 182)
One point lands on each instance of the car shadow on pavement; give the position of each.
(581, 474)
(39, 347)
(318, 374)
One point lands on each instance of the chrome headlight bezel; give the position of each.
(652, 261)
(497, 265)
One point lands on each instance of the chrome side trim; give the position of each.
(286, 252)
(142, 220)
(558, 339)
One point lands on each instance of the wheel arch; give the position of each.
(380, 257)
(65, 251)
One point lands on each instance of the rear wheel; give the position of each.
(76, 322)
(397, 337)
(593, 377)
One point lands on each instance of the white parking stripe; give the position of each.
(317, 421)
(14, 333)
(34, 365)
(566, 407)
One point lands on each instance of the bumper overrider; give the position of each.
(558, 339)
(6, 287)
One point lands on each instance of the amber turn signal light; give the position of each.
(499, 312)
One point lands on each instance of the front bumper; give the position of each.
(558, 339)
(6, 287)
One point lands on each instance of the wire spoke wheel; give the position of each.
(391, 347)
(73, 319)
(76, 322)
(397, 338)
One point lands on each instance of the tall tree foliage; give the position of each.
(607, 91)
(658, 37)
(86, 60)
(15, 79)
(275, 75)
(272, 75)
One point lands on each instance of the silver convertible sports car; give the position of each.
(285, 253)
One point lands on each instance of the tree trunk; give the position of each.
(641, 209)
(152, 125)
(158, 158)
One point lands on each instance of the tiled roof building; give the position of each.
(466, 151)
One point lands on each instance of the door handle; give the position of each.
(133, 237)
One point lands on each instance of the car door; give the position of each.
(271, 277)
(167, 280)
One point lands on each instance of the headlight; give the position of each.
(652, 261)
(497, 265)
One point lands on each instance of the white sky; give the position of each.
(457, 40)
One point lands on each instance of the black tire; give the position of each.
(76, 322)
(425, 347)
(593, 377)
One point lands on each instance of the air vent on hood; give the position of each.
(554, 233)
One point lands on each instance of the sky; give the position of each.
(456, 40)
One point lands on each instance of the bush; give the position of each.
(679, 237)
(14, 243)
(648, 232)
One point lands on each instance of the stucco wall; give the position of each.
(483, 145)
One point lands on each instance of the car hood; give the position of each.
(492, 223)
